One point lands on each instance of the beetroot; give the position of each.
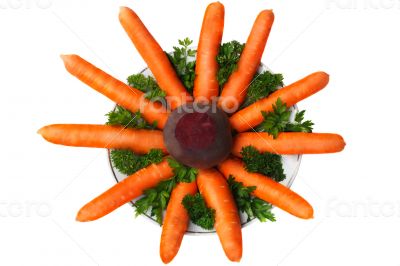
(198, 135)
(195, 131)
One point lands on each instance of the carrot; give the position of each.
(289, 142)
(119, 92)
(234, 91)
(103, 136)
(267, 189)
(251, 115)
(154, 56)
(206, 84)
(175, 222)
(125, 191)
(214, 188)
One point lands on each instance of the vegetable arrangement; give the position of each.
(187, 165)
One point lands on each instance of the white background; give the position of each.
(355, 193)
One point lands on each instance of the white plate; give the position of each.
(291, 164)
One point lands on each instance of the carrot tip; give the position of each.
(323, 73)
(269, 11)
(165, 259)
(40, 131)
(123, 9)
(63, 57)
(66, 58)
(79, 218)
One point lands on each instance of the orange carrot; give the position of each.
(267, 189)
(125, 191)
(175, 222)
(206, 84)
(119, 92)
(103, 136)
(234, 91)
(251, 115)
(214, 188)
(289, 142)
(154, 56)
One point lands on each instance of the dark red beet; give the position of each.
(195, 131)
(198, 135)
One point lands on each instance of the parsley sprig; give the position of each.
(184, 67)
(252, 206)
(299, 125)
(227, 58)
(198, 211)
(278, 120)
(182, 173)
(265, 163)
(156, 199)
(148, 85)
(128, 162)
(123, 117)
(262, 85)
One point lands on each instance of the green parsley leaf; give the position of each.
(184, 67)
(275, 121)
(155, 199)
(182, 173)
(198, 212)
(262, 210)
(265, 163)
(262, 85)
(123, 117)
(279, 121)
(227, 58)
(252, 206)
(299, 125)
(128, 162)
(148, 85)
